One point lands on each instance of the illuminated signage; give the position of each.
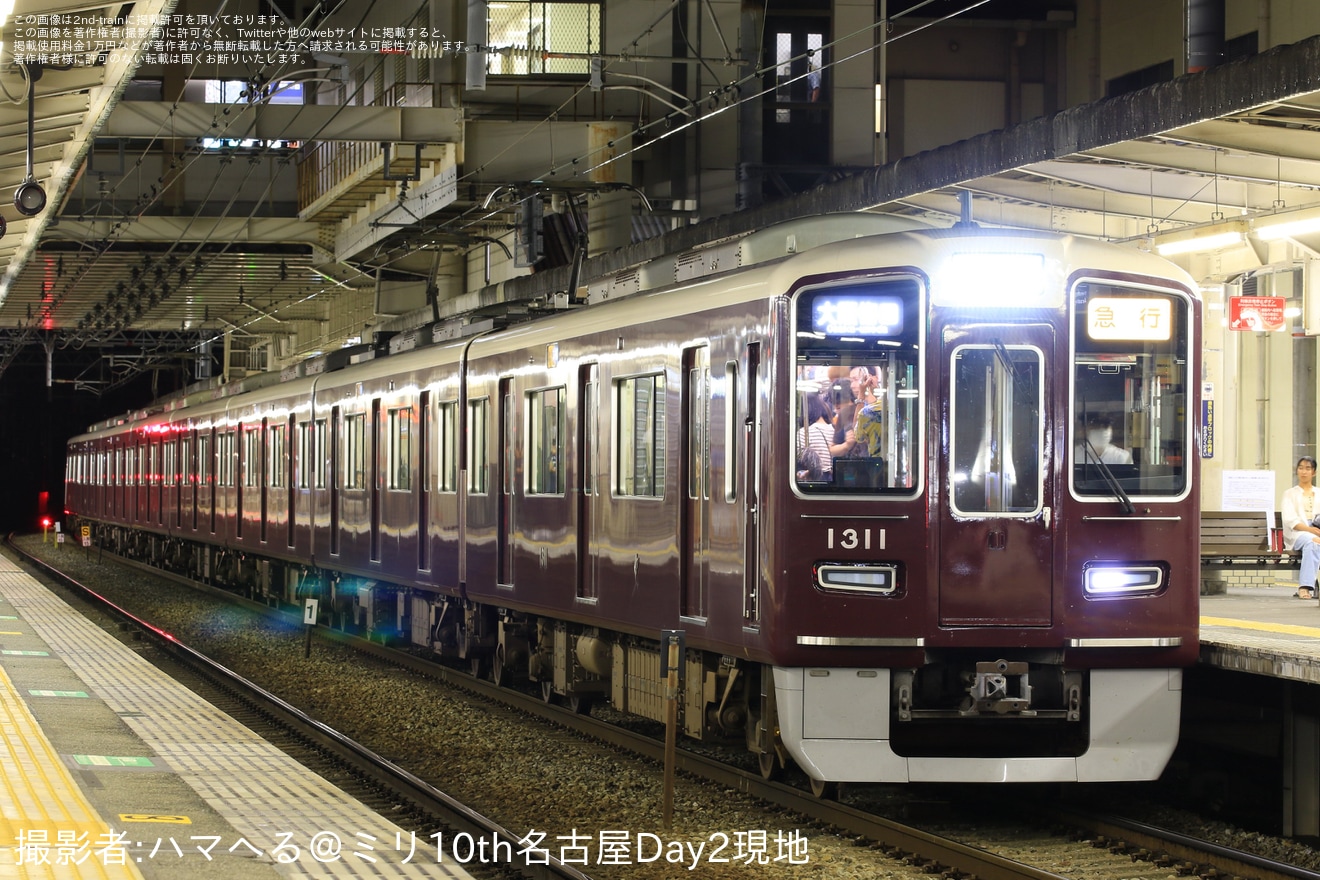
(1129, 317)
(1257, 313)
(857, 315)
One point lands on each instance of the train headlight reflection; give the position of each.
(882, 579)
(1125, 580)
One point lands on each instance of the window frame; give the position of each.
(398, 448)
(624, 429)
(543, 426)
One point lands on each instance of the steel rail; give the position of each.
(379, 770)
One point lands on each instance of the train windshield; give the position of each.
(857, 395)
(1129, 405)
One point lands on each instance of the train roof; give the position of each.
(780, 257)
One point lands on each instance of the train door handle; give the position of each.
(996, 540)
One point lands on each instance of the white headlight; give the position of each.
(994, 280)
(1104, 580)
(858, 578)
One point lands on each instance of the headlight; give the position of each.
(1122, 580)
(881, 579)
(996, 280)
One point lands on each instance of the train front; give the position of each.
(991, 484)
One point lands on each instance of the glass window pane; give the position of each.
(545, 428)
(1129, 414)
(478, 461)
(641, 436)
(857, 410)
(447, 446)
(996, 426)
(399, 451)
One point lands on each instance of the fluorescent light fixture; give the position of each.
(1288, 225)
(1202, 238)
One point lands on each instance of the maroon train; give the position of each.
(924, 502)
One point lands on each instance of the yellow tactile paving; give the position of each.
(40, 801)
(265, 796)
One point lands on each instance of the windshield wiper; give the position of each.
(1110, 479)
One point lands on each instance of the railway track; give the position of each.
(379, 783)
(1075, 844)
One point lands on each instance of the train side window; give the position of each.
(226, 453)
(399, 452)
(446, 436)
(322, 459)
(203, 458)
(306, 455)
(355, 451)
(251, 457)
(276, 465)
(544, 432)
(640, 436)
(171, 453)
(477, 457)
(698, 391)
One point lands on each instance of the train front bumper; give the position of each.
(835, 722)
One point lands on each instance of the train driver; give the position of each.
(1098, 445)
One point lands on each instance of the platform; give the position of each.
(1262, 630)
(113, 770)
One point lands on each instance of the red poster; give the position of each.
(1256, 313)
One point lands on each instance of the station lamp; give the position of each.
(30, 198)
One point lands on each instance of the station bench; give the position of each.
(1239, 541)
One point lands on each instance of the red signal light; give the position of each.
(45, 522)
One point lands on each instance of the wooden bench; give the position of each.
(1238, 539)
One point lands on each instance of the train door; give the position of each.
(157, 481)
(588, 424)
(751, 458)
(425, 483)
(336, 477)
(266, 452)
(242, 474)
(504, 562)
(207, 472)
(183, 499)
(695, 525)
(290, 477)
(373, 478)
(996, 559)
(150, 470)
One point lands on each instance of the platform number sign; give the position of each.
(309, 611)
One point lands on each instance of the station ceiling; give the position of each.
(1233, 148)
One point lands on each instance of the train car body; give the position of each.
(965, 585)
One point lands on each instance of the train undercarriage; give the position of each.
(1024, 715)
(723, 699)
